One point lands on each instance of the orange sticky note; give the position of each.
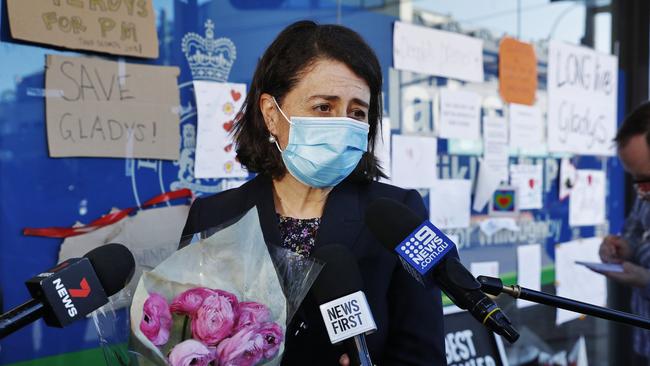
(517, 71)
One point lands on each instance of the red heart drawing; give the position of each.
(227, 148)
(589, 179)
(531, 183)
(235, 95)
(504, 201)
(228, 126)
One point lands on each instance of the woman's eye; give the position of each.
(322, 108)
(359, 114)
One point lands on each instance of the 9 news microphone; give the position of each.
(344, 306)
(72, 289)
(424, 252)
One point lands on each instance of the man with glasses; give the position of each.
(632, 248)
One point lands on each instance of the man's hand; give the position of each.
(615, 249)
(632, 275)
(344, 360)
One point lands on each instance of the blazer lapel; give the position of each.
(341, 221)
(260, 195)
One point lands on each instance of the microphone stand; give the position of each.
(357, 350)
(494, 286)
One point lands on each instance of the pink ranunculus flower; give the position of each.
(214, 320)
(251, 313)
(188, 302)
(273, 337)
(191, 352)
(231, 297)
(156, 319)
(244, 348)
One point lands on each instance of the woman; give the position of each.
(308, 129)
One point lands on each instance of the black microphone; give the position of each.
(72, 289)
(343, 305)
(424, 252)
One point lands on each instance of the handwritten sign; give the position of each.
(587, 200)
(110, 109)
(460, 114)
(582, 86)
(120, 27)
(217, 105)
(517, 71)
(435, 52)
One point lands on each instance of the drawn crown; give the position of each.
(209, 58)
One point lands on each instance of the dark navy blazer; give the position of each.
(408, 317)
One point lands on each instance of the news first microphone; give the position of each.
(344, 307)
(427, 254)
(72, 289)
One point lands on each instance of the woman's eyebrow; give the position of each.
(335, 98)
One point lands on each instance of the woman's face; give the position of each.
(328, 88)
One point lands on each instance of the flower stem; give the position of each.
(184, 328)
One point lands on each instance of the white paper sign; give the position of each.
(414, 161)
(490, 269)
(149, 247)
(434, 52)
(526, 126)
(487, 182)
(577, 282)
(495, 145)
(582, 97)
(449, 203)
(460, 115)
(587, 201)
(347, 316)
(529, 270)
(528, 180)
(382, 148)
(493, 225)
(217, 105)
(567, 177)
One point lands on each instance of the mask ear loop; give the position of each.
(285, 117)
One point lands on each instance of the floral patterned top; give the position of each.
(298, 235)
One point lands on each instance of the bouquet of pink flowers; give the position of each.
(223, 301)
(224, 331)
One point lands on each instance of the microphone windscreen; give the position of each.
(391, 221)
(114, 265)
(340, 275)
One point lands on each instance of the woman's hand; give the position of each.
(344, 360)
(632, 275)
(615, 249)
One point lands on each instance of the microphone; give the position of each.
(424, 252)
(72, 289)
(345, 310)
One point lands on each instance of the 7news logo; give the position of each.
(66, 295)
(425, 247)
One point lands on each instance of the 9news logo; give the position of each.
(425, 247)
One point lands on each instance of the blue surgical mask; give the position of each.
(322, 151)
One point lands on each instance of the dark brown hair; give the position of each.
(295, 49)
(635, 123)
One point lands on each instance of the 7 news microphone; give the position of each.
(343, 305)
(72, 289)
(428, 255)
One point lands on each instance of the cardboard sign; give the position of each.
(517, 71)
(120, 27)
(468, 342)
(109, 109)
